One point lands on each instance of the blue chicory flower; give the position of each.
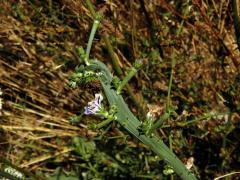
(94, 106)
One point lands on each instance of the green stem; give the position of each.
(160, 121)
(90, 41)
(50, 7)
(129, 76)
(119, 72)
(115, 64)
(207, 116)
(170, 81)
(103, 123)
(91, 8)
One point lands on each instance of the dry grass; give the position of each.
(37, 57)
(38, 102)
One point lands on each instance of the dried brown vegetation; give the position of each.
(37, 57)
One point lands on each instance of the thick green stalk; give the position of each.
(131, 124)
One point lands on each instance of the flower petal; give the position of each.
(94, 106)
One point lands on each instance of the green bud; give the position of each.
(138, 63)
